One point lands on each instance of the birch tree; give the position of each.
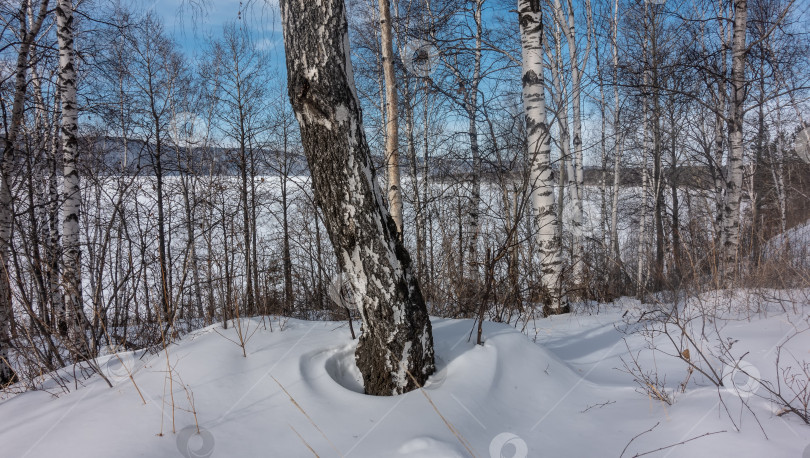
(241, 95)
(27, 35)
(539, 149)
(395, 351)
(576, 180)
(734, 165)
(618, 139)
(391, 116)
(471, 107)
(70, 146)
(466, 62)
(158, 75)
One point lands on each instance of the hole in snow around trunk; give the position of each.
(343, 370)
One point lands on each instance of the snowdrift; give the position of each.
(298, 392)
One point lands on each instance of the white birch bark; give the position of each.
(471, 106)
(576, 180)
(392, 117)
(27, 33)
(70, 147)
(734, 165)
(559, 95)
(395, 352)
(617, 153)
(539, 151)
(50, 126)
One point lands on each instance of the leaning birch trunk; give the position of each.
(539, 151)
(731, 207)
(395, 352)
(392, 117)
(70, 147)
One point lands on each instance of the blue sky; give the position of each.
(191, 22)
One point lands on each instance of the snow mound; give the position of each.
(299, 391)
(429, 447)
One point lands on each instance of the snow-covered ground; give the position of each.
(556, 390)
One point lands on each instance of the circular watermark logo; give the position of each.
(420, 58)
(193, 442)
(187, 129)
(741, 379)
(802, 144)
(341, 292)
(577, 219)
(119, 367)
(508, 445)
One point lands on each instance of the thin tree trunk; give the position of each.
(778, 172)
(417, 199)
(258, 297)
(27, 36)
(674, 184)
(246, 237)
(576, 180)
(603, 156)
(50, 205)
(716, 159)
(558, 95)
(658, 176)
(289, 299)
(425, 220)
(755, 190)
(54, 251)
(392, 117)
(471, 107)
(641, 281)
(185, 181)
(617, 152)
(227, 301)
(731, 208)
(165, 294)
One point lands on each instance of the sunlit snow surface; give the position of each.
(553, 391)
